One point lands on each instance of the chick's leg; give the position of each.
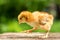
(29, 31)
(47, 33)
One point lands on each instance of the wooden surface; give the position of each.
(28, 36)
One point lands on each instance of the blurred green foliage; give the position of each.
(9, 10)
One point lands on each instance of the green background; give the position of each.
(10, 9)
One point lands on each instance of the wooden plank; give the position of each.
(28, 36)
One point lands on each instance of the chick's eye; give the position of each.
(20, 18)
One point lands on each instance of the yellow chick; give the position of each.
(37, 20)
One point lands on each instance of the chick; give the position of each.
(37, 20)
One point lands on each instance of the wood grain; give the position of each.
(29, 36)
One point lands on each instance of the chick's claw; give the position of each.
(27, 31)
